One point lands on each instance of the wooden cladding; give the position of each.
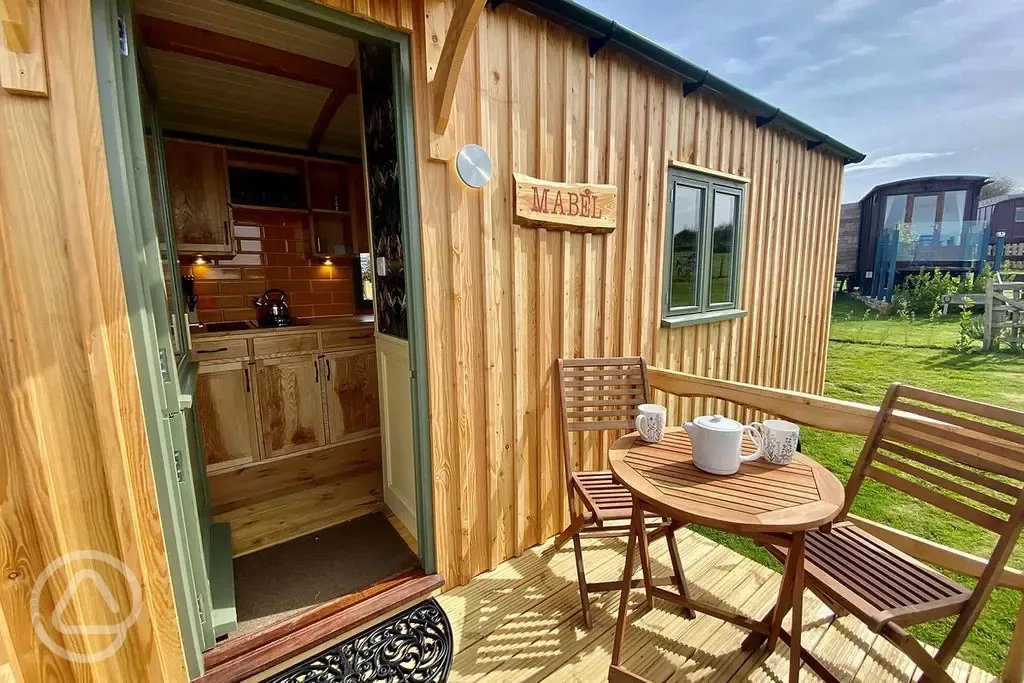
(578, 207)
(22, 54)
(504, 300)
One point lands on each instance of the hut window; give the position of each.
(705, 215)
(1018, 215)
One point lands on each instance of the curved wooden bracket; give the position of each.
(456, 42)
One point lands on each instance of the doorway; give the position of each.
(245, 543)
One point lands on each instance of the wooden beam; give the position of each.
(161, 34)
(22, 57)
(806, 409)
(327, 113)
(456, 42)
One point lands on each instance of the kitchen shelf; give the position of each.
(258, 207)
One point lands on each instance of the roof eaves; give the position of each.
(602, 32)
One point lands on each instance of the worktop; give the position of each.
(313, 336)
(300, 325)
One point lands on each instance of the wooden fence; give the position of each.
(1004, 315)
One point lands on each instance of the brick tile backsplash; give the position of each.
(272, 252)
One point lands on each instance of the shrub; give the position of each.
(920, 292)
(976, 283)
(965, 338)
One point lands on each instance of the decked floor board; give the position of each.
(522, 622)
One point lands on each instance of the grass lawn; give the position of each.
(864, 357)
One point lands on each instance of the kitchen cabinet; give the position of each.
(264, 394)
(290, 404)
(226, 410)
(350, 392)
(332, 234)
(337, 209)
(357, 193)
(198, 188)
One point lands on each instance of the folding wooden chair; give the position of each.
(955, 454)
(599, 394)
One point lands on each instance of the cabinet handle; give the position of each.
(327, 362)
(316, 366)
(248, 388)
(220, 350)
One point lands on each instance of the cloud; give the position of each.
(733, 66)
(861, 49)
(897, 160)
(840, 10)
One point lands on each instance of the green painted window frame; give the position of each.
(704, 311)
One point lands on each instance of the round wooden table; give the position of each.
(773, 504)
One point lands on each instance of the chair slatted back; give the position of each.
(598, 394)
(962, 456)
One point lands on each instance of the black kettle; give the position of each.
(273, 308)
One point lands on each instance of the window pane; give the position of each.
(895, 210)
(723, 247)
(922, 220)
(1018, 215)
(953, 210)
(686, 220)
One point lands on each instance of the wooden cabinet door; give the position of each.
(226, 413)
(198, 183)
(290, 404)
(352, 405)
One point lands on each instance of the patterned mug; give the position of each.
(650, 422)
(779, 439)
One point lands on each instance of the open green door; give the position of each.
(166, 375)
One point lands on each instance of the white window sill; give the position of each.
(703, 318)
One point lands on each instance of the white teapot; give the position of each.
(716, 443)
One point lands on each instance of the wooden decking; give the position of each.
(521, 622)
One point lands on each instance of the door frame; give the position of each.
(337, 21)
(118, 119)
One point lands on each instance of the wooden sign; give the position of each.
(579, 207)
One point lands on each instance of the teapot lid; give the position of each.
(718, 423)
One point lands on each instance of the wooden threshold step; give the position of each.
(248, 655)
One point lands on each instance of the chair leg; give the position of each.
(575, 525)
(627, 580)
(678, 577)
(581, 577)
(931, 670)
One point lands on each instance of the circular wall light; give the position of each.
(473, 165)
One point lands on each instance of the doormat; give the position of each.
(412, 647)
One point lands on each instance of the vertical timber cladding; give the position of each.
(75, 470)
(503, 300)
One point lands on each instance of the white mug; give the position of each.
(650, 422)
(779, 439)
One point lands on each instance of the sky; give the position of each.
(923, 87)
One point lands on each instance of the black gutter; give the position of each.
(603, 33)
